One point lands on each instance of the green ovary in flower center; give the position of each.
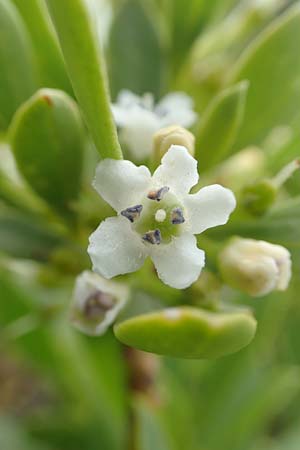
(165, 215)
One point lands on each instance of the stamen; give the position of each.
(132, 213)
(158, 194)
(160, 215)
(153, 237)
(177, 216)
(97, 304)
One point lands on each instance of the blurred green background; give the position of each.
(61, 390)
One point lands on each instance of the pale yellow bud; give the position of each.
(173, 135)
(255, 267)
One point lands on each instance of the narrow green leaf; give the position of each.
(219, 126)
(188, 332)
(135, 61)
(17, 78)
(47, 138)
(150, 432)
(51, 69)
(272, 65)
(86, 70)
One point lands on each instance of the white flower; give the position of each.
(255, 267)
(138, 118)
(157, 217)
(96, 303)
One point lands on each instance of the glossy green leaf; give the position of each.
(188, 332)
(86, 70)
(47, 138)
(219, 126)
(272, 65)
(17, 77)
(134, 53)
(51, 68)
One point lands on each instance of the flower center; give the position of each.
(97, 304)
(159, 216)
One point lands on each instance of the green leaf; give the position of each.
(272, 65)
(23, 237)
(86, 70)
(51, 68)
(188, 332)
(135, 61)
(150, 433)
(47, 138)
(17, 78)
(219, 126)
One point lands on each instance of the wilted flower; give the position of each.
(138, 118)
(157, 217)
(96, 303)
(255, 267)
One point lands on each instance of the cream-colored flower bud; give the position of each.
(173, 135)
(255, 267)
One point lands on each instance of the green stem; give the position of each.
(86, 69)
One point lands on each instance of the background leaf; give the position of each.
(17, 74)
(272, 65)
(134, 54)
(220, 125)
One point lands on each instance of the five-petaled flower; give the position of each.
(157, 217)
(138, 118)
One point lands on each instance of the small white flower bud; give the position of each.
(96, 303)
(173, 135)
(255, 267)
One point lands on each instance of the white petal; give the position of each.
(176, 108)
(178, 170)
(174, 100)
(183, 117)
(121, 183)
(138, 132)
(179, 263)
(115, 248)
(209, 207)
(127, 99)
(120, 115)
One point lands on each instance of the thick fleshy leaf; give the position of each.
(115, 248)
(178, 170)
(121, 183)
(209, 207)
(140, 68)
(272, 65)
(47, 138)
(188, 332)
(219, 126)
(17, 78)
(180, 262)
